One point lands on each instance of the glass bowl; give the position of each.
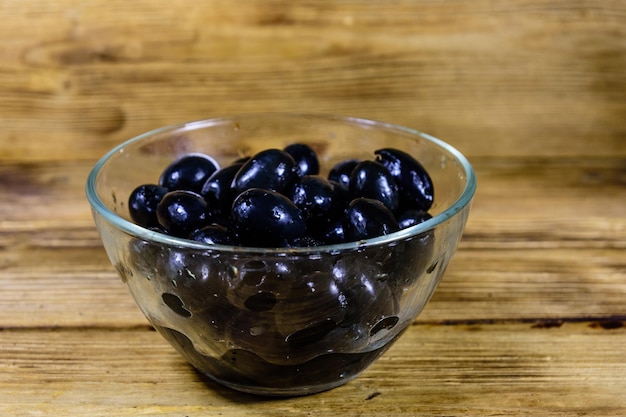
(280, 321)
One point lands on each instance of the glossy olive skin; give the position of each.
(342, 170)
(331, 231)
(271, 169)
(273, 199)
(367, 218)
(416, 186)
(342, 193)
(265, 218)
(213, 234)
(314, 195)
(305, 157)
(412, 217)
(323, 203)
(217, 189)
(143, 202)
(181, 212)
(369, 179)
(188, 172)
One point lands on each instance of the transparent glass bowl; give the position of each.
(280, 321)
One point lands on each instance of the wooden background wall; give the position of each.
(522, 79)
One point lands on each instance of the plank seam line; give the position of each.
(608, 322)
(538, 321)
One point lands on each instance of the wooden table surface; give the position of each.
(530, 316)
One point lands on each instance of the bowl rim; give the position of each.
(135, 230)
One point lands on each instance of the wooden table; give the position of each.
(529, 318)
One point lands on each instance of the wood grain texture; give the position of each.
(434, 370)
(530, 316)
(528, 78)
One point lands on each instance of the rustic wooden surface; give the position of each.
(530, 317)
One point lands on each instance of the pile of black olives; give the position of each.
(278, 198)
(283, 320)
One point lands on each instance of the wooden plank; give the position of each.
(530, 284)
(38, 196)
(539, 202)
(525, 78)
(512, 369)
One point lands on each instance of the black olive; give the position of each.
(217, 189)
(143, 202)
(367, 218)
(188, 172)
(213, 234)
(314, 195)
(370, 179)
(305, 158)
(330, 231)
(270, 169)
(265, 218)
(411, 217)
(416, 186)
(342, 170)
(342, 194)
(181, 212)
